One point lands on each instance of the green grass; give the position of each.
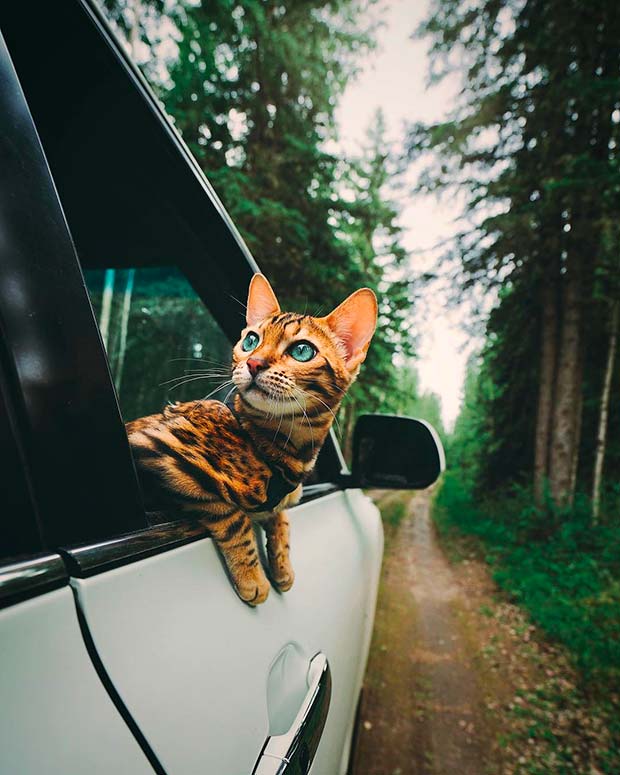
(393, 511)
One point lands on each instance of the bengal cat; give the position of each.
(246, 460)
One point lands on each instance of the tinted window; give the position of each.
(19, 533)
(162, 342)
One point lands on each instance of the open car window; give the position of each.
(163, 344)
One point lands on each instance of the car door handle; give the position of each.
(292, 753)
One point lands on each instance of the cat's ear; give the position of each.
(262, 302)
(354, 322)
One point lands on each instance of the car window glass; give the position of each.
(162, 342)
(19, 534)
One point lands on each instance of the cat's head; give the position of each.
(286, 361)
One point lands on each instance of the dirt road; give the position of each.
(424, 710)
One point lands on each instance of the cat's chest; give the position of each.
(243, 471)
(259, 486)
(234, 456)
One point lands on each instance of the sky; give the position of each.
(394, 78)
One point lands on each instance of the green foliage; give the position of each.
(532, 144)
(253, 92)
(365, 222)
(564, 572)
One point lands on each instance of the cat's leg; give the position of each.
(234, 537)
(280, 568)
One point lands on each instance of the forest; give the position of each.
(531, 145)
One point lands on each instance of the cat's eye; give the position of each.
(302, 351)
(250, 342)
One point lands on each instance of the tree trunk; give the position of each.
(564, 431)
(604, 413)
(578, 422)
(106, 305)
(122, 347)
(546, 385)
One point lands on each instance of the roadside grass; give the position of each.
(393, 506)
(565, 575)
(393, 512)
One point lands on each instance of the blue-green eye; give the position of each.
(250, 341)
(302, 351)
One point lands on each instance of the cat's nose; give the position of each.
(256, 364)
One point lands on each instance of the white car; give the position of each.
(123, 647)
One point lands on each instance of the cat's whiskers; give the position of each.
(207, 374)
(281, 403)
(195, 375)
(209, 368)
(288, 438)
(244, 306)
(276, 402)
(281, 418)
(219, 387)
(230, 392)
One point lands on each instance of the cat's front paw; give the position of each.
(253, 590)
(282, 574)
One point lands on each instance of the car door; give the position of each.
(204, 679)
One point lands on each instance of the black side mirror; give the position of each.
(397, 453)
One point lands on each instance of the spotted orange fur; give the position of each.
(231, 464)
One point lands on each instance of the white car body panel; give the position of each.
(192, 662)
(55, 716)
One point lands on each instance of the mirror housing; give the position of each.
(394, 452)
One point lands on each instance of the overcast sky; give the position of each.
(394, 79)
